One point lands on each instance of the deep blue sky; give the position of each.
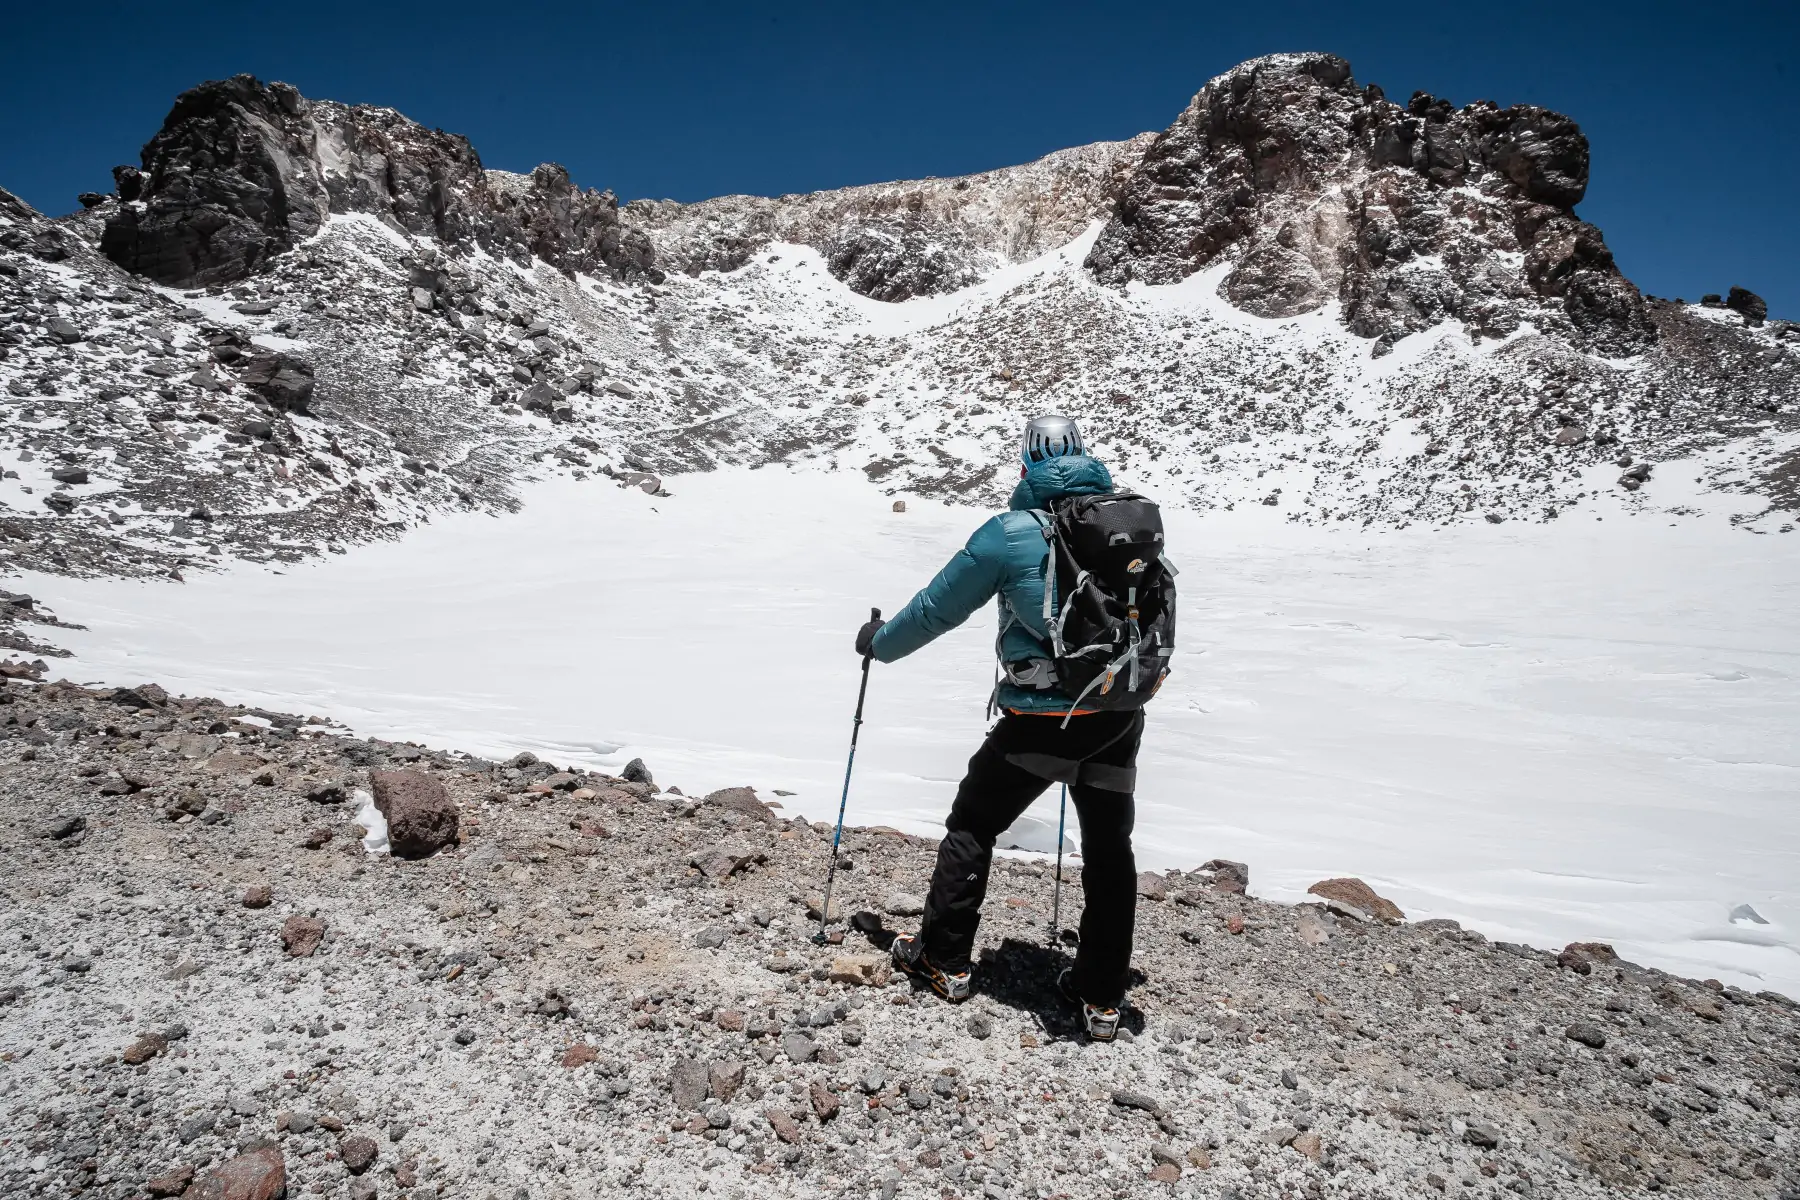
(1691, 107)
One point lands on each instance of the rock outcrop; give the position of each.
(1314, 189)
(243, 170)
(895, 241)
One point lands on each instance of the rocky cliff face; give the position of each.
(894, 241)
(1314, 189)
(241, 171)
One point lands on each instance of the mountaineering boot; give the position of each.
(1102, 1023)
(909, 956)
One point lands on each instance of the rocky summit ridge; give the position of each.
(297, 324)
(563, 984)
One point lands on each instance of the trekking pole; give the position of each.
(844, 801)
(1062, 817)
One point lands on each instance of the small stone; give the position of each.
(724, 1079)
(816, 904)
(1152, 886)
(1165, 1172)
(578, 1055)
(799, 1048)
(358, 1153)
(870, 970)
(196, 1126)
(144, 1049)
(689, 1083)
(903, 904)
(64, 827)
(1588, 1035)
(824, 1101)
(301, 935)
(636, 772)
(784, 1126)
(172, 1182)
(259, 895)
(730, 1020)
(1480, 1133)
(1309, 1145)
(981, 1026)
(317, 837)
(1137, 1100)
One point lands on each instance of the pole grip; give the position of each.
(874, 614)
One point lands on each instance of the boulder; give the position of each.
(1230, 877)
(743, 800)
(1358, 895)
(259, 1174)
(421, 817)
(281, 379)
(301, 935)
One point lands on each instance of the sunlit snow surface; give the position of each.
(1581, 730)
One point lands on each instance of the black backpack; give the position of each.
(1115, 629)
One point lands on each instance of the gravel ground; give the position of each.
(603, 987)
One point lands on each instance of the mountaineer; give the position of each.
(1087, 617)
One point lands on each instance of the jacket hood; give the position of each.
(1054, 478)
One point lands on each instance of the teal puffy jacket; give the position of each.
(1005, 557)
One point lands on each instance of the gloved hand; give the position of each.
(865, 637)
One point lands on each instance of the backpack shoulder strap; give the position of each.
(1047, 526)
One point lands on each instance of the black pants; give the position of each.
(1023, 755)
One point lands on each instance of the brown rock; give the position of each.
(421, 817)
(824, 1100)
(259, 895)
(580, 1054)
(743, 800)
(1232, 878)
(871, 970)
(144, 1049)
(1198, 1158)
(256, 1175)
(1309, 1144)
(317, 837)
(1583, 957)
(1234, 924)
(1152, 886)
(231, 762)
(1165, 1172)
(784, 1126)
(1359, 895)
(300, 936)
(724, 1079)
(172, 1182)
(358, 1153)
(723, 860)
(730, 1020)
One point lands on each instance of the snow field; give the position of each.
(1583, 730)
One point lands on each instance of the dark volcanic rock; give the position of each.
(421, 816)
(238, 174)
(281, 379)
(1314, 189)
(1742, 300)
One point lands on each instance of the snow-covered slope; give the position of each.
(1552, 732)
(503, 327)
